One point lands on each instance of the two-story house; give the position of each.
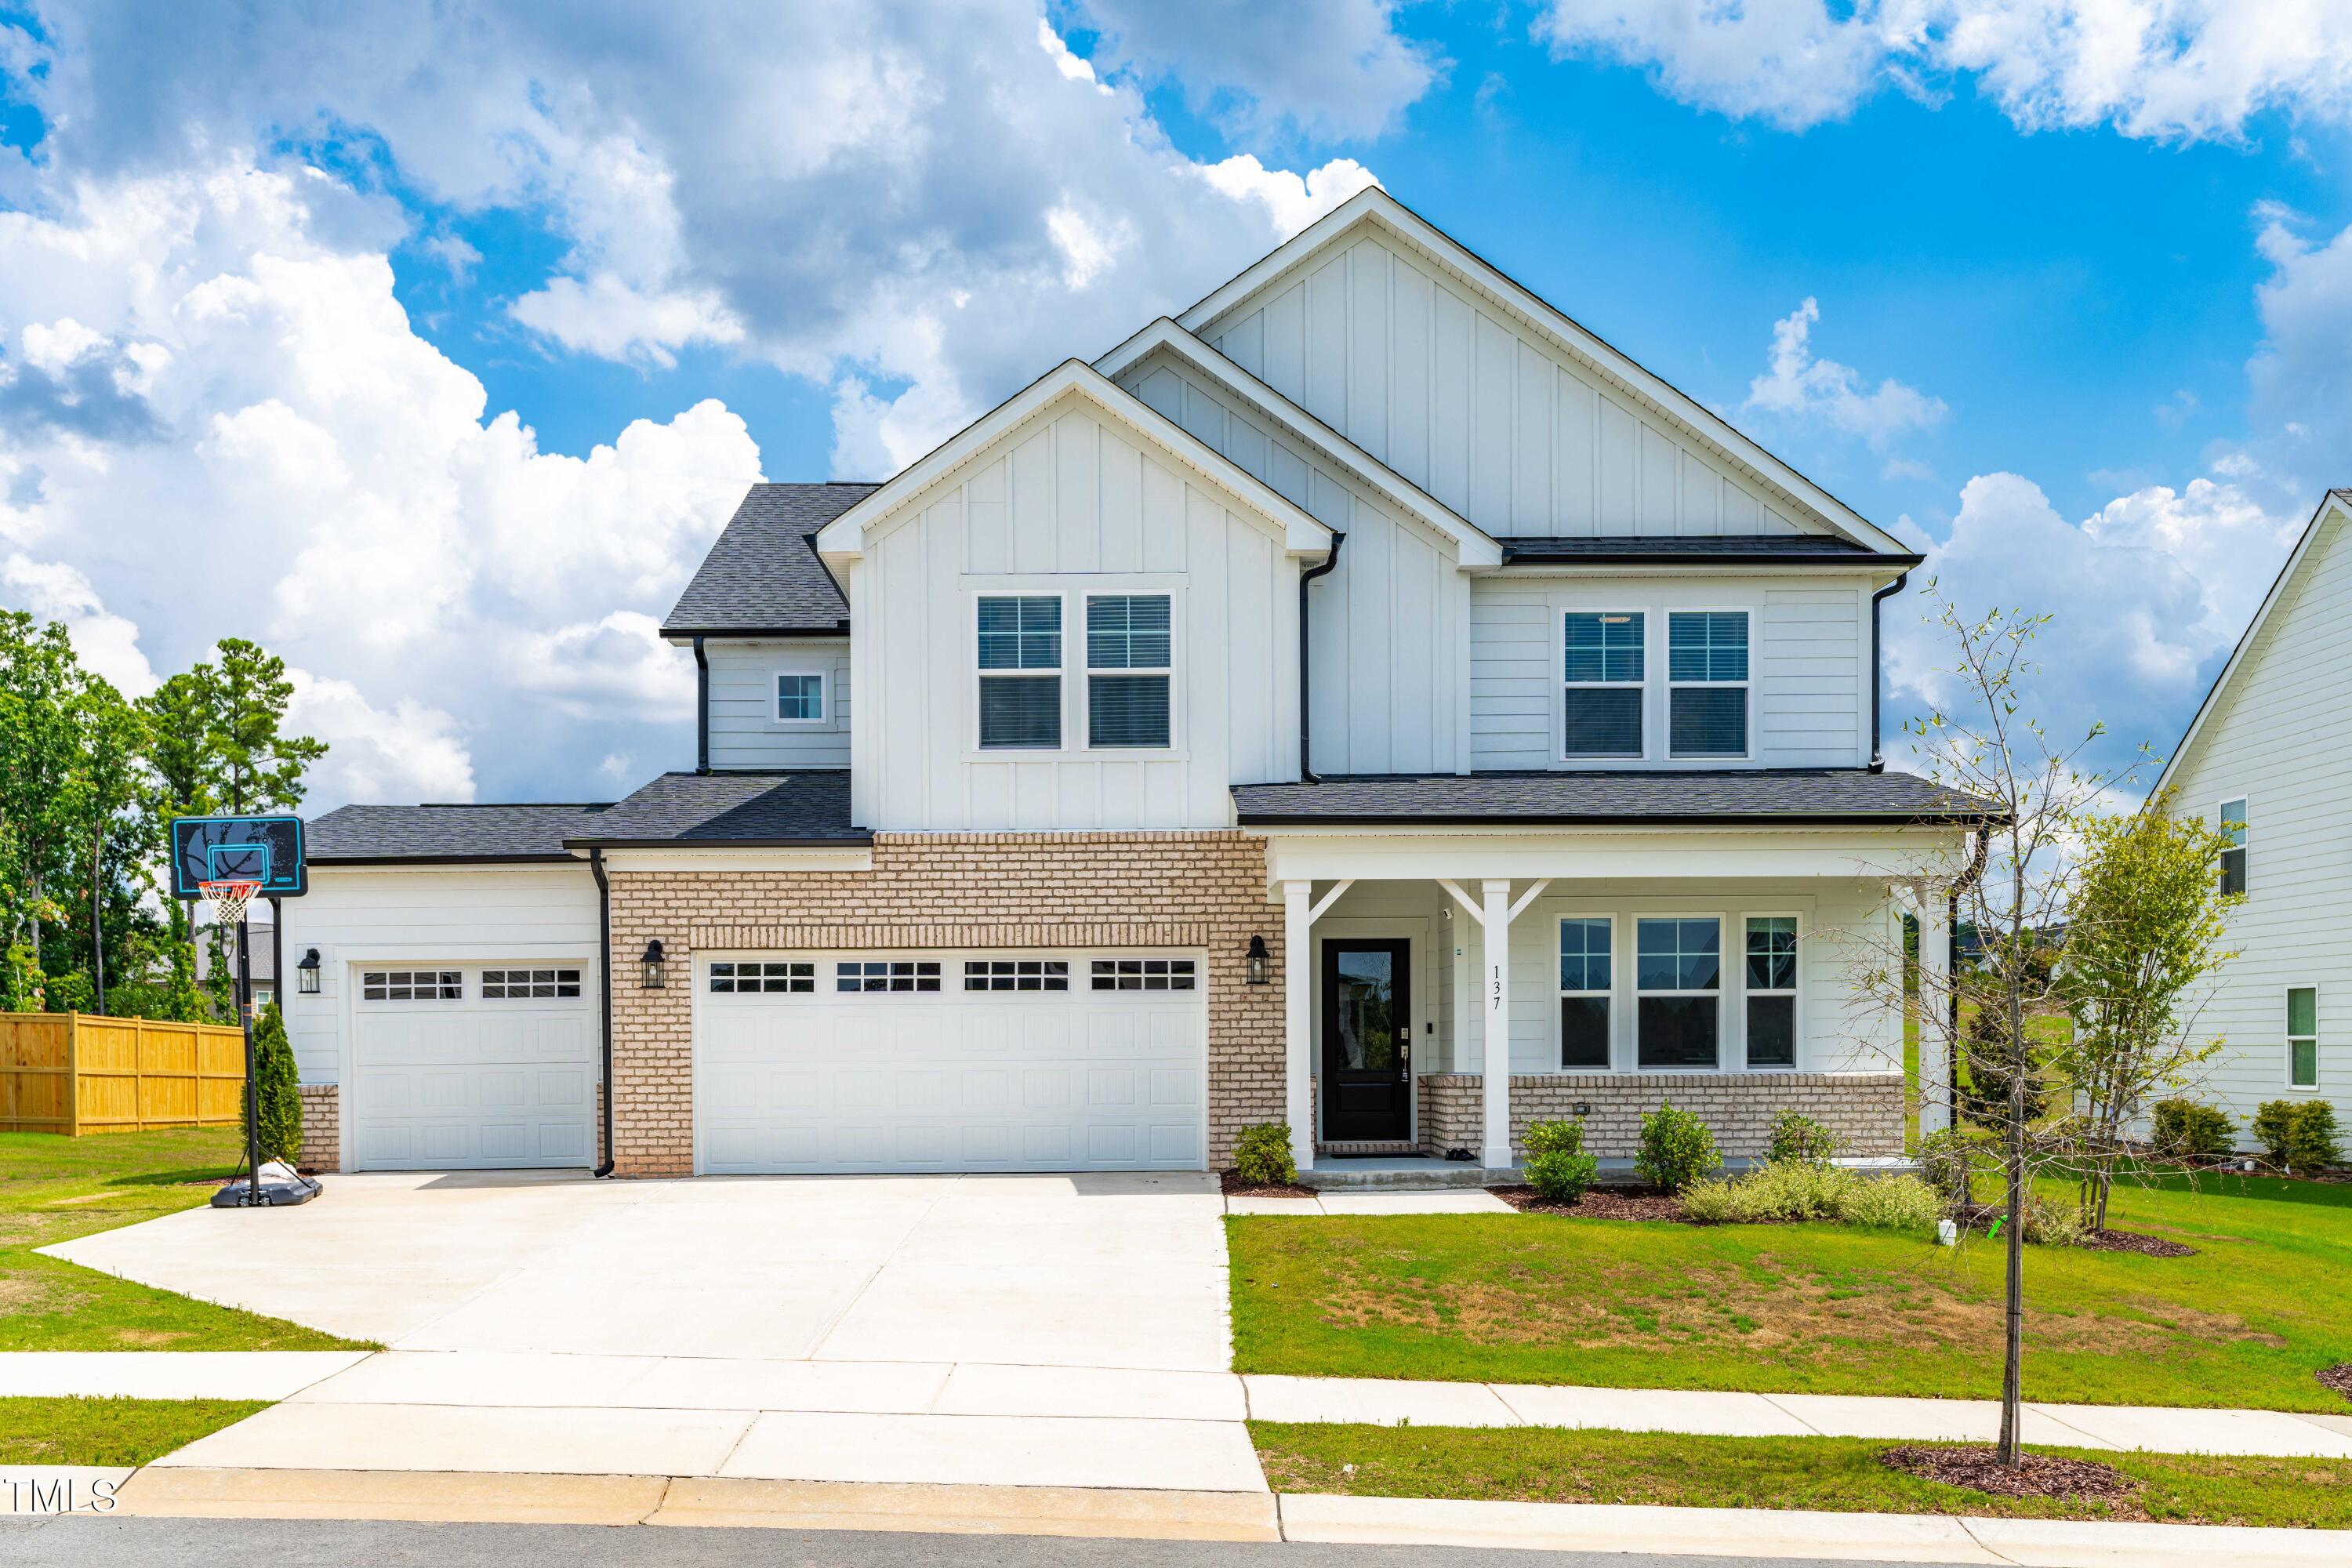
(1366, 701)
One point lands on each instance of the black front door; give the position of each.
(1367, 1040)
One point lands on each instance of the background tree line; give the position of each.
(90, 781)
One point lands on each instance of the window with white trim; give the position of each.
(885, 975)
(1142, 974)
(1678, 985)
(2233, 856)
(800, 697)
(1771, 991)
(1586, 972)
(1020, 655)
(412, 985)
(529, 984)
(1603, 660)
(1129, 660)
(2303, 1036)
(743, 976)
(1016, 974)
(1707, 683)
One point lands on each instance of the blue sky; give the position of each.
(432, 348)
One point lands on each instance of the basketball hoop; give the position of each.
(226, 898)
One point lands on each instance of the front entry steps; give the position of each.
(1400, 1173)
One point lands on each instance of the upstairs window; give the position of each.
(1706, 678)
(1585, 975)
(1129, 659)
(800, 697)
(1679, 973)
(2303, 1036)
(1603, 661)
(2233, 859)
(1772, 991)
(1021, 672)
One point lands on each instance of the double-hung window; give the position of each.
(1129, 659)
(2234, 857)
(1585, 971)
(800, 697)
(1603, 659)
(1771, 991)
(1678, 977)
(1021, 672)
(2303, 1036)
(1707, 681)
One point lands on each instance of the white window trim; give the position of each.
(2246, 801)
(1059, 672)
(1801, 1050)
(1561, 684)
(1747, 687)
(1085, 706)
(1729, 1006)
(823, 674)
(2286, 1015)
(1615, 921)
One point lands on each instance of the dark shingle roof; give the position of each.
(1730, 549)
(741, 809)
(761, 574)
(1794, 795)
(358, 835)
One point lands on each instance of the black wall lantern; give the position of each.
(306, 973)
(1261, 963)
(654, 966)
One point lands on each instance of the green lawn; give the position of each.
(54, 1188)
(109, 1431)
(1537, 1464)
(2265, 1304)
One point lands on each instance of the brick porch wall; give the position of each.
(1865, 1109)
(1196, 890)
(322, 1119)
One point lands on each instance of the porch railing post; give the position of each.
(1298, 1034)
(1496, 950)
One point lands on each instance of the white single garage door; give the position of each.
(999, 1061)
(461, 1065)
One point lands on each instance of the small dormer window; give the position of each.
(800, 697)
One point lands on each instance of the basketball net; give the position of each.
(228, 899)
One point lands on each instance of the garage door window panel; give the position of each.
(530, 984)
(1143, 974)
(742, 978)
(887, 975)
(412, 985)
(1016, 974)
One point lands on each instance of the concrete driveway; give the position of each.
(1012, 1330)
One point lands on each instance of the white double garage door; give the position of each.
(949, 1061)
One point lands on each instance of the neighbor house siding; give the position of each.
(1444, 387)
(744, 731)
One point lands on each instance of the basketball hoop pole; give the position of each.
(252, 1089)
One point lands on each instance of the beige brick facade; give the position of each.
(322, 1124)
(1865, 1109)
(1203, 890)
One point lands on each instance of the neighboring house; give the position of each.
(1367, 702)
(2268, 759)
(261, 959)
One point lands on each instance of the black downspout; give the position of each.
(1305, 766)
(1878, 676)
(604, 975)
(701, 713)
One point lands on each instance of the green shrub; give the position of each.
(1796, 1136)
(2049, 1224)
(1891, 1203)
(1794, 1190)
(279, 1082)
(1558, 1168)
(1715, 1202)
(1676, 1149)
(1262, 1156)
(2184, 1130)
(2299, 1134)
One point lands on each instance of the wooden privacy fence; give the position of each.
(74, 1073)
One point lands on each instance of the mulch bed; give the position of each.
(1981, 1470)
(1236, 1188)
(2133, 1241)
(2337, 1377)
(1600, 1203)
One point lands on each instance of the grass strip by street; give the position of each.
(1840, 1475)
(2250, 1321)
(78, 1431)
(54, 1188)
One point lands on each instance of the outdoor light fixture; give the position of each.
(655, 967)
(1261, 963)
(306, 973)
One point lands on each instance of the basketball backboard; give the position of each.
(264, 850)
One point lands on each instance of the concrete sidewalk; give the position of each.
(169, 1374)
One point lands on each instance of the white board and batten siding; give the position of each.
(1809, 664)
(1069, 503)
(2280, 738)
(1385, 625)
(744, 730)
(1452, 393)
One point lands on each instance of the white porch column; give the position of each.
(1935, 998)
(1298, 1033)
(1495, 948)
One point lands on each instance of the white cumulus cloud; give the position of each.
(1801, 387)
